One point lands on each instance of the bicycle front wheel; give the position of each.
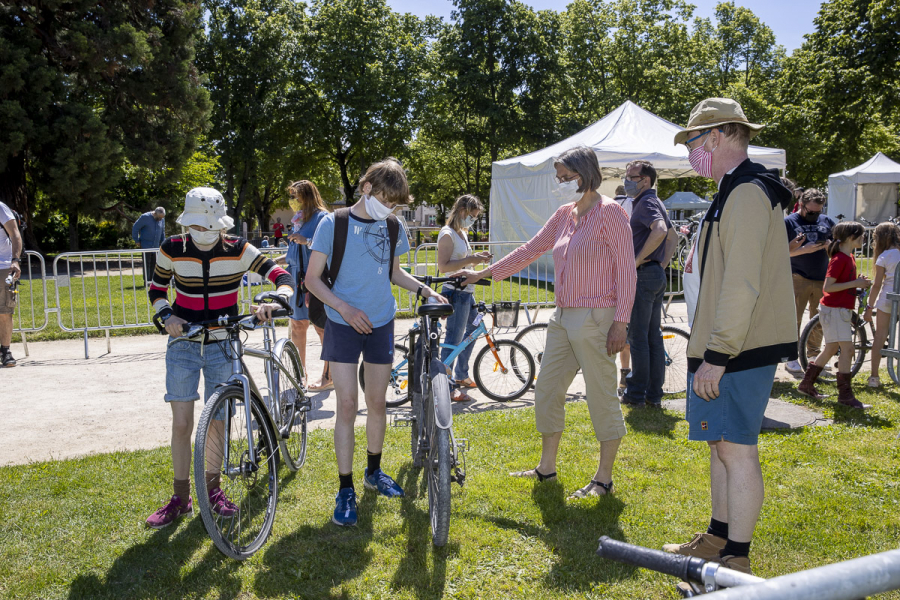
(438, 471)
(294, 408)
(398, 386)
(534, 338)
(240, 514)
(675, 343)
(504, 372)
(813, 330)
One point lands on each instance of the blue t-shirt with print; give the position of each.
(815, 264)
(363, 279)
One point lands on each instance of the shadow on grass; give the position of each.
(413, 572)
(313, 560)
(653, 420)
(148, 570)
(842, 414)
(571, 529)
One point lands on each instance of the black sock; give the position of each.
(346, 480)
(718, 528)
(4, 348)
(374, 462)
(733, 548)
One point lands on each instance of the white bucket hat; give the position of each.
(205, 207)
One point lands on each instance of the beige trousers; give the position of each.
(576, 337)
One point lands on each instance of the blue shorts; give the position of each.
(343, 344)
(737, 414)
(183, 366)
(298, 301)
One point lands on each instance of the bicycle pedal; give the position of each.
(304, 405)
(402, 421)
(459, 477)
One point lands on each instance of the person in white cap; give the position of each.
(207, 265)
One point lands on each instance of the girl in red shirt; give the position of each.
(835, 313)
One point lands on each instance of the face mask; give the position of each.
(204, 238)
(468, 222)
(701, 161)
(632, 188)
(812, 217)
(567, 191)
(376, 209)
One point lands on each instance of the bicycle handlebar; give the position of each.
(455, 279)
(224, 321)
(683, 567)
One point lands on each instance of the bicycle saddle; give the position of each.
(435, 310)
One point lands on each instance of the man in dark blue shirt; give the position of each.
(808, 231)
(654, 241)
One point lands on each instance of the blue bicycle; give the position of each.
(503, 370)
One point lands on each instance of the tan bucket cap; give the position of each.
(713, 112)
(205, 207)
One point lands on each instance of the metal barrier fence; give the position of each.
(32, 309)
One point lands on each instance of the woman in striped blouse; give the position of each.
(593, 261)
(207, 266)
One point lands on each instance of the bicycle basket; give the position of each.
(506, 314)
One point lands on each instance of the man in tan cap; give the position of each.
(741, 331)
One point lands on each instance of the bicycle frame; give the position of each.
(241, 376)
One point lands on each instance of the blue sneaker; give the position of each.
(382, 483)
(345, 508)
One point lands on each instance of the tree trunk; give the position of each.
(349, 188)
(14, 194)
(73, 228)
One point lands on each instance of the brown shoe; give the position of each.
(845, 392)
(807, 387)
(737, 563)
(704, 545)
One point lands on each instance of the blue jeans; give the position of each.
(648, 367)
(459, 326)
(184, 364)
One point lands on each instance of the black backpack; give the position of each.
(317, 314)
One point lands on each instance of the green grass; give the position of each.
(74, 529)
(120, 299)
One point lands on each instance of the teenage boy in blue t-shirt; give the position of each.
(360, 310)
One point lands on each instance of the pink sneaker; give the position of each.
(221, 505)
(168, 513)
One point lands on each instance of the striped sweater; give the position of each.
(207, 283)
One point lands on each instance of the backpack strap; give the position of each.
(393, 225)
(339, 244)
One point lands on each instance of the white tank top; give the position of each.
(461, 249)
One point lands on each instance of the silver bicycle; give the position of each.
(242, 431)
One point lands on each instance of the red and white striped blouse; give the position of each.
(594, 262)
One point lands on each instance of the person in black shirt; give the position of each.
(808, 231)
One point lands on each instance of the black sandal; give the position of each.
(540, 476)
(586, 490)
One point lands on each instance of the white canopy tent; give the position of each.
(868, 191)
(686, 201)
(521, 199)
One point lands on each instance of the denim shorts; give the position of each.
(343, 344)
(737, 414)
(183, 366)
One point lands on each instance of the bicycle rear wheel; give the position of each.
(294, 408)
(242, 524)
(675, 343)
(398, 387)
(504, 372)
(438, 471)
(860, 346)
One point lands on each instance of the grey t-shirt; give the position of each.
(363, 279)
(646, 210)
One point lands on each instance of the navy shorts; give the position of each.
(737, 414)
(343, 344)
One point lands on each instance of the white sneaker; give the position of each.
(793, 366)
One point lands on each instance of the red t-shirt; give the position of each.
(843, 268)
(278, 228)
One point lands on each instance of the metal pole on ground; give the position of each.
(846, 580)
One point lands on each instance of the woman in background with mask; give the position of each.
(593, 262)
(455, 253)
(206, 266)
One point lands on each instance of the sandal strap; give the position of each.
(606, 486)
(542, 477)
